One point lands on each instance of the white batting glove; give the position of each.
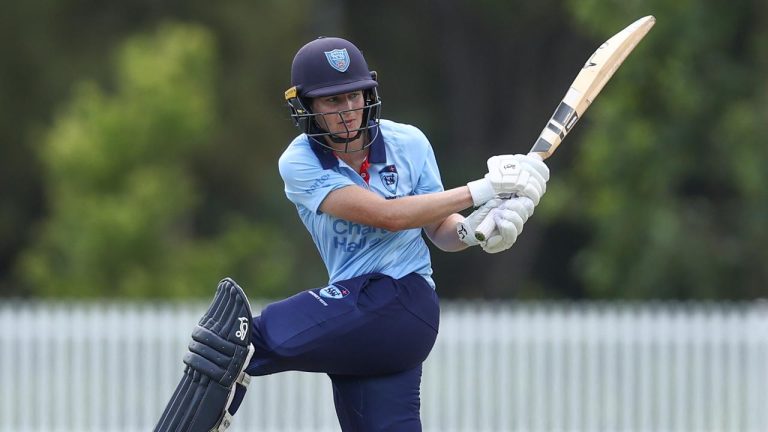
(466, 228)
(508, 175)
(509, 216)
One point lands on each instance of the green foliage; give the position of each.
(670, 179)
(159, 175)
(121, 191)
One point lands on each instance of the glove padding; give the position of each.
(509, 216)
(508, 175)
(466, 228)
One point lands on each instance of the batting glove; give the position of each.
(466, 228)
(509, 216)
(508, 175)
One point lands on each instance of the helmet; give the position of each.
(330, 66)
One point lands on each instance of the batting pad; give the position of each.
(218, 353)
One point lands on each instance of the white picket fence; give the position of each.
(110, 367)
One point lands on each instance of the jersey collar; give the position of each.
(377, 152)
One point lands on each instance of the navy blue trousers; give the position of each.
(370, 334)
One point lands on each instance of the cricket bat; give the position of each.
(598, 69)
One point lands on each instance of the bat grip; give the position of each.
(486, 227)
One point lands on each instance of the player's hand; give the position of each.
(509, 216)
(521, 175)
(466, 228)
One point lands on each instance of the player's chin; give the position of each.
(344, 136)
(351, 132)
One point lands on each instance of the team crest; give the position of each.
(388, 176)
(334, 292)
(338, 59)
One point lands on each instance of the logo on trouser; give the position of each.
(334, 292)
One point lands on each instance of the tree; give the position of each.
(670, 179)
(122, 198)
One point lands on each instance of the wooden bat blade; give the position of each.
(598, 69)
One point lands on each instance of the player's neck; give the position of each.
(349, 153)
(353, 159)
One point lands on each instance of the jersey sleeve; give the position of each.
(429, 178)
(306, 182)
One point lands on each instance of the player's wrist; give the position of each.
(481, 190)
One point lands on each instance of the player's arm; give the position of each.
(511, 174)
(362, 206)
(443, 234)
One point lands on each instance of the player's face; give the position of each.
(342, 114)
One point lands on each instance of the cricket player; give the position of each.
(366, 189)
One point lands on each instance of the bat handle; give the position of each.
(486, 227)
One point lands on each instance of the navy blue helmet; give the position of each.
(330, 66)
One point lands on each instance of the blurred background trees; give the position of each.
(140, 143)
(669, 179)
(122, 195)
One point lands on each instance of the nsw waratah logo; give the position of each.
(334, 292)
(338, 59)
(389, 178)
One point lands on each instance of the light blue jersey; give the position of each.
(402, 163)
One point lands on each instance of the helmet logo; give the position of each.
(338, 59)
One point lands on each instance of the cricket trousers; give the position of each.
(370, 334)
